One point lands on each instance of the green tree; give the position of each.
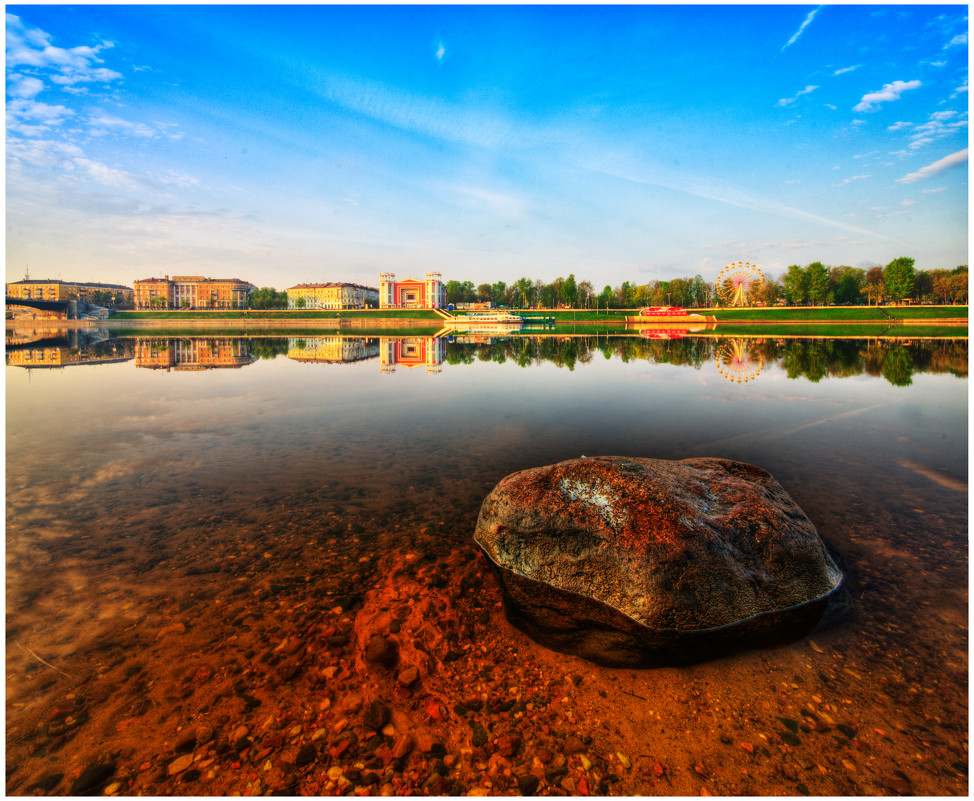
(485, 292)
(605, 297)
(875, 285)
(585, 291)
(499, 293)
(818, 282)
(524, 290)
(569, 291)
(795, 282)
(899, 277)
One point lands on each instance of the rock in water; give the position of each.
(640, 562)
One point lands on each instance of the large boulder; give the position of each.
(629, 561)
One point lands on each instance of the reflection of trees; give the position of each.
(813, 359)
(898, 367)
(268, 347)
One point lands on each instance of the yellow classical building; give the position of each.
(57, 290)
(332, 295)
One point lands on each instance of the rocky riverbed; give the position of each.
(418, 686)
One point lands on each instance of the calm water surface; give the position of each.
(179, 509)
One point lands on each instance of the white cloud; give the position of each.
(897, 126)
(801, 30)
(844, 70)
(890, 91)
(30, 117)
(960, 39)
(32, 47)
(932, 191)
(953, 160)
(107, 124)
(23, 85)
(787, 101)
(907, 202)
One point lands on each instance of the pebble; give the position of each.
(403, 746)
(408, 677)
(376, 715)
(180, 764)
(381, 651)
(528, 784)
(203, 735)
(624, 760)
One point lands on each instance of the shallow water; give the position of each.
(203, 532)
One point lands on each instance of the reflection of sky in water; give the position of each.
(279, 422)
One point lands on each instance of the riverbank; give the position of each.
(389, 318)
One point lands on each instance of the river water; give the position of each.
(203, 534)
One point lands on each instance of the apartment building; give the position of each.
(332, 295)
(192, 292)
(411, 293)
(57, 290)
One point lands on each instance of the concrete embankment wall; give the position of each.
(277, 325)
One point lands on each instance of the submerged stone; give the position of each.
(630, 561)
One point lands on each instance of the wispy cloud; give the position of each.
(711, 189)
(890, 91)
(416, 114)
(953, 160)
(957, 41)
(853, 178)
(787, 101)
(844, 70)
(801, 30)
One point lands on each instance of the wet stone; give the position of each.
(376, 715)
(381, 650)
(93, 778)
(638, 562)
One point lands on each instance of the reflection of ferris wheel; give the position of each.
(736, 281)
(735, 362)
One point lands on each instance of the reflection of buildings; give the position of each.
(52, 353)
(332, 350)
(425, 352)
(411, 293)
(332, 296)
(201, 353)
(192, 292)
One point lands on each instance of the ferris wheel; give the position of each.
(736, 363)
(737, 281)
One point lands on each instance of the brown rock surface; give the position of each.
(639, 561)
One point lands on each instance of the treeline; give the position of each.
(812, 359)
(815, 284)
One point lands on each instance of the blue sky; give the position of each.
(323, 143)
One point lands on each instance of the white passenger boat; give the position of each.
(486, 318)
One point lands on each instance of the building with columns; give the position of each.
(411, 293)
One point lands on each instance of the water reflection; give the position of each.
(332, 350)
(215, 555)
(195, 353)
(737, 359)
(67, 348)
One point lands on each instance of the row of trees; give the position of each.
(815, 284)
(818, 285)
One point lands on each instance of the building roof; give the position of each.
(30, 281)
(332, 285)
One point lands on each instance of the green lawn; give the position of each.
(813, 314)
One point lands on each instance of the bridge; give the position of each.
(63, 306)
(71, 309)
